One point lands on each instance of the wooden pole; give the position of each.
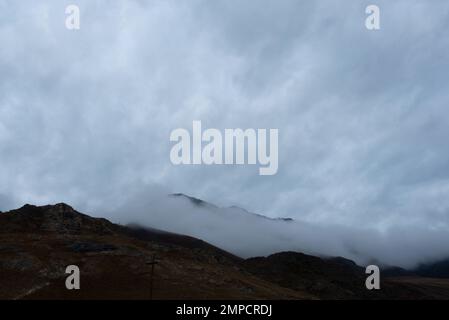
(152, 263)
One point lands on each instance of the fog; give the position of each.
(247, 234)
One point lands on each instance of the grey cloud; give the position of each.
(85, 116)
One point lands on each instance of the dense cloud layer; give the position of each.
(248, 234)
(85, 116)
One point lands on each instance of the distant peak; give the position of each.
(195, 201)
(202, 203)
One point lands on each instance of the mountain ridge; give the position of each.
(202, 203)
(37, 243)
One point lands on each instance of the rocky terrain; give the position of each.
(340, 278)
(38, 243)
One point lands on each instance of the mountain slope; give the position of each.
(339, 278)
(438, 269)
(37, 243)
(204, 204)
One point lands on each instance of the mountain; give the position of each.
(38, 243)
(248, 234)
(333, 278)
(438, 269)
(204, 204)
(194, 201)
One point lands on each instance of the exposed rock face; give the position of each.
(91, 247)
(59, 218)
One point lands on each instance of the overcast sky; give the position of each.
(85, 116)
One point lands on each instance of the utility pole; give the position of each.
(152, 263)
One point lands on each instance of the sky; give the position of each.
(86, 115)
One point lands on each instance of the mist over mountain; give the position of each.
(86, 116)
(38, 242)
(249, 234)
